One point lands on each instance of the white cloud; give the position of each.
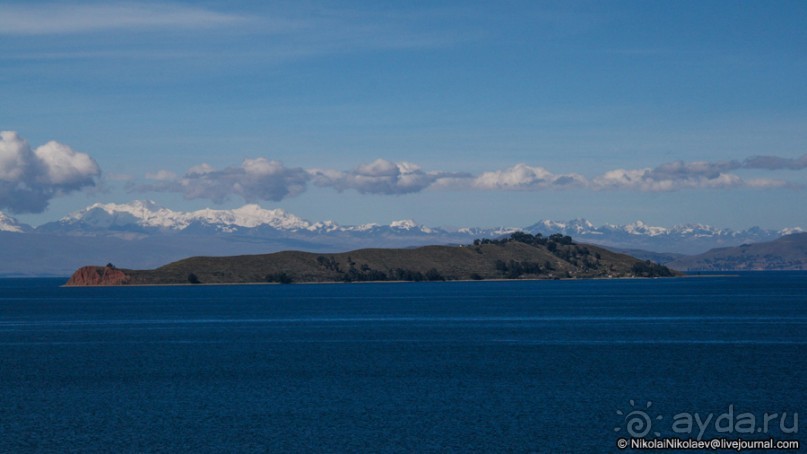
(679, 175)
(201, 169)
(15, 156)
(58, 18)
(525, 177)
(264, 179)
(256, 179)
(670, 176)
(29, 179)
(380, 177)
(65, 167)
(162, 175)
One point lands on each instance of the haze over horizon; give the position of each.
(452, 114)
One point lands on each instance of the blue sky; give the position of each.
(450, 113)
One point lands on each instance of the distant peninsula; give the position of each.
(786, 253)
(519, 256)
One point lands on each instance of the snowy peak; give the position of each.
(548, 225)
(640, 228)
(143, 216)
(115, 215)
(791, 230)
(138, 209)
(324, 226)
(579, 226)
(9, 224)
(410, 226)
(405, 224)
(701, 230)
(637, 228)
(687, 238)
(147, 214)
(248, 216)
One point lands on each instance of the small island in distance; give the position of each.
(519, 256)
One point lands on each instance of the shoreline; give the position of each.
(209, 284)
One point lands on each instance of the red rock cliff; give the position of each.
(98, 275)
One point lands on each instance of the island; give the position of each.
(519, 256)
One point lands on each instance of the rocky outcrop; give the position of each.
(98, 275)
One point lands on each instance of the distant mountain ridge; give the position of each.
(148, 217)
(145, 234)
(680, 239)
(786, 253)
(10, 224)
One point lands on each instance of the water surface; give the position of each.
(522, 366)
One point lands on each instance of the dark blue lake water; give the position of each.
(539, 366)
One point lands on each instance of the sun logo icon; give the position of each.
(638, 423)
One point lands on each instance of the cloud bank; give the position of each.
(678, 175)
(525, 177)
(382, 177)
(30, 178)
(263, 179)
(256, 179)
(775, 163)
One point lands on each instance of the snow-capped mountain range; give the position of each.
(145, 234)
(584, 228)
(147, 217)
